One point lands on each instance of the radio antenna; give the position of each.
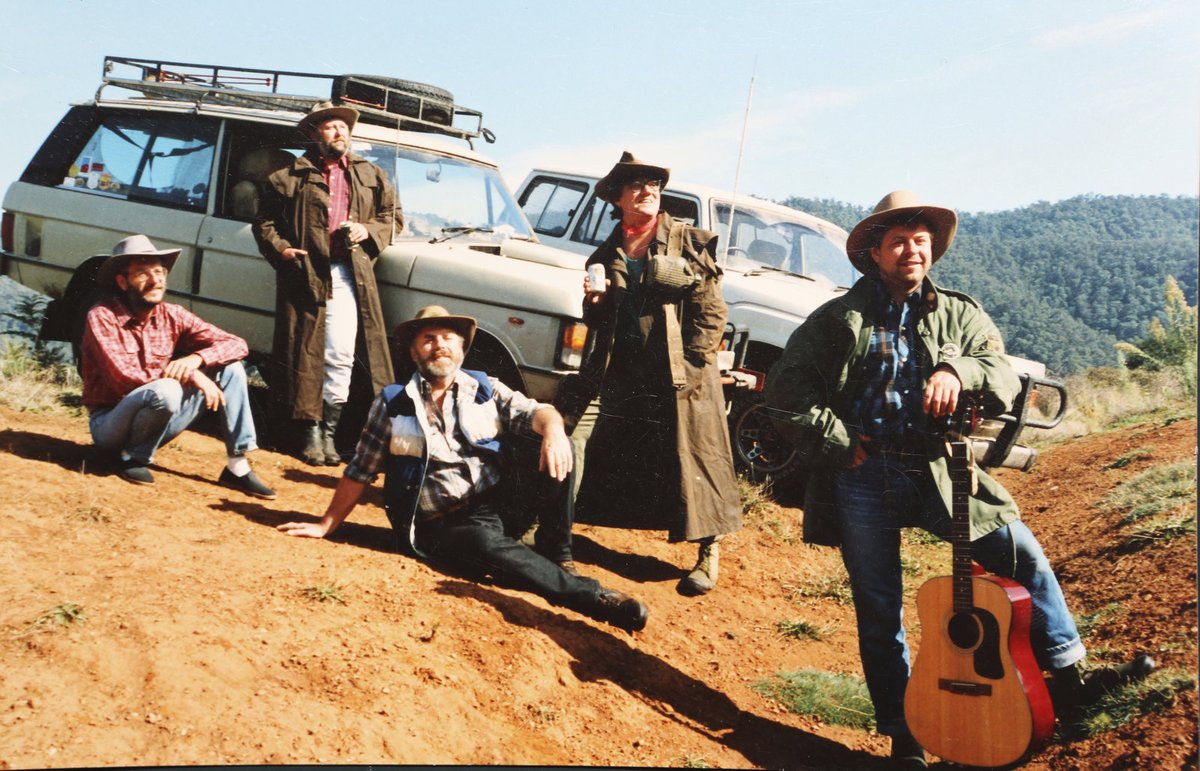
(737, 172)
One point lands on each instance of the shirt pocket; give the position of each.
(480, 421)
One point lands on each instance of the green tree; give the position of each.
(1170, 342)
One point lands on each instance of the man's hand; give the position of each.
(292, 253)
(556, 458)
(304, 529)
(594, 298)
(357, 232)
(181, 369)
(941, 393)
(214, 397)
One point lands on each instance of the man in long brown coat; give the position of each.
(324, 220)
(659, 453)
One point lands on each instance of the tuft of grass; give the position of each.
(1157, 490)
(833, 698)
(28, 384)
(689, 761)
(63, 614)
(1105, 398)
(755, 497)
(1154, 694)
(1141, 453)
(1087, 623)
(325, 593)
(830, 586)
(544, 715)
(799, 629)
(1158, 530)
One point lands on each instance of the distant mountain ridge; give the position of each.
(1066, 280)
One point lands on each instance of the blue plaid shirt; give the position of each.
(889, 409)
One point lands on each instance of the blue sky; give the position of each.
(981, 106)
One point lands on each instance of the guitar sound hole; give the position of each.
(963, 630)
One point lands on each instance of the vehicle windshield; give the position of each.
(764, 238)
(448, 198)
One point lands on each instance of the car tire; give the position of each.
(406, 97)
(760, 453)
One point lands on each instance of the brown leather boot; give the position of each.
(312, 446)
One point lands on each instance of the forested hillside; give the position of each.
(1065, 280)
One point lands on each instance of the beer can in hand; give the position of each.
(595, 276)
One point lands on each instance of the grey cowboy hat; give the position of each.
(127, 250)
(897, 207)
(609, 186)
(322, 112)
(427, 316)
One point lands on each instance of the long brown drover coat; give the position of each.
(295, 213)
(660, 451)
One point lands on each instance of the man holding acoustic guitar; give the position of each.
(865, 390)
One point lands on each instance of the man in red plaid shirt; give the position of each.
(150, 368)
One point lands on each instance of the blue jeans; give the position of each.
(887, 493)
(153, 414)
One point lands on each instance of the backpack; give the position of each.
(66, 316)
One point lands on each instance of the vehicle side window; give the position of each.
(549, 204)
(685, 209)
(595, 225)
(252, 153)
(165, 161)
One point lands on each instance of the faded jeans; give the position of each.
(878, 498)
(153, 414)
(341, 333)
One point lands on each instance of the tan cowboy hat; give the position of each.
(322, 112)
(609, 186)
(429, 315)
(126, 250)
(897, 207)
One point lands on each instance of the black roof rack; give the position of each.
(380, 101)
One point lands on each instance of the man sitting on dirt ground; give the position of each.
(440, 438)
(858, 390)
(150, 368)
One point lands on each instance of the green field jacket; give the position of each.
(811, 389)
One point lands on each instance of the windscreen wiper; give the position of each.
(448, 233)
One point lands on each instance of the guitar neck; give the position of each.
(960, 525)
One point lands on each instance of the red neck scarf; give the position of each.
(637, 230)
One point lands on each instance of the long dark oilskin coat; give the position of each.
(295, 213)
(707, 495)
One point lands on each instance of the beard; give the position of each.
(439, 367)
(334, 152)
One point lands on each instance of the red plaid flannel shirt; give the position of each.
(339, 204)
(119, 356)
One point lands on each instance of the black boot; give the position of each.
(331, 414)
(312, 449)
(1072, 691)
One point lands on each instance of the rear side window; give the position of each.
(161, 159)
(550, 203)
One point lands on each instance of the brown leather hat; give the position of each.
(609, 186)
(897, 207)
(428, 316)
(322, 112)
(127, 250)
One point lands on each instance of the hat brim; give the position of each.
(609, 186)
(106, 277)
(309, 123)
(405, 331)
(868, 233)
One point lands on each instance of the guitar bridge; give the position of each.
(965, 687)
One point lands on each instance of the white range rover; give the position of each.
(176, 150)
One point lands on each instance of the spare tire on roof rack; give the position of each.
(398, 97)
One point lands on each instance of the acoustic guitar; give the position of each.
(976, 694)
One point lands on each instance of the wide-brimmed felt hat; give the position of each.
(898, 207)
(429, 316)
(609, 186)
(127, 250)
(323, 111)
